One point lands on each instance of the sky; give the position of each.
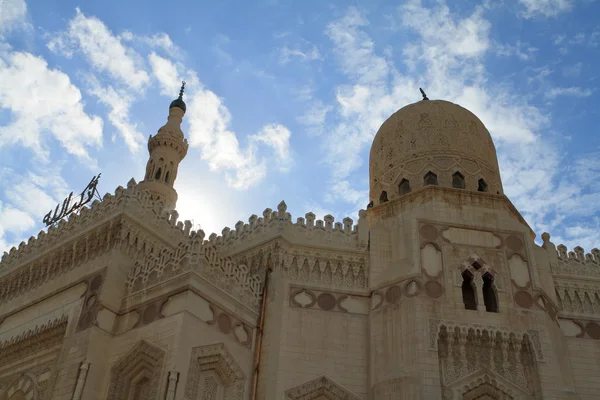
(284, 98)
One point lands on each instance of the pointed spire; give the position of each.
(179, 101)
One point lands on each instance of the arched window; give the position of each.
(149, 169)
(404, 186)
(167, 177)
(482, 186)
(158, 173)
(383, 198)
(468, 291)
(430, 179)
(489, 293)
(458, 180)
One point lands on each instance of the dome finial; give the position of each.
(182, 88)
(424, 95)
(178, 102)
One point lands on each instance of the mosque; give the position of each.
(438, 291)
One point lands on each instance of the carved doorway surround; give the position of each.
(320, 388)
(214, 375)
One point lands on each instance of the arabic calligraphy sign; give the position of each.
(68, 206)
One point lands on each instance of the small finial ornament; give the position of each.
(424, 95)
(182, 88)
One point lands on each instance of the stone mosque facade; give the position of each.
(438, 291)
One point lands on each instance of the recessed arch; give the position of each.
(158, 173)
(404, 186)
(137, 372)
(482, 185)
(469, 295)
(490, 296)
(167, 177)
(458, 180)
(430, 178)
(383, 197)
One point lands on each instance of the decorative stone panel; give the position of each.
(328, 301)
(322, 387)
(138, 371)
(28, 344)
(464, 353)
(210, 362)
(91, 305)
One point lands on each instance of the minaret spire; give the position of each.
(167, 148)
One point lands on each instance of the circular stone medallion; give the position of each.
(514, 243)
(149, 314)
(393, 294)
(96, 283)
(224, 323)
(326, 301)
(434, 289)
(523, 299)
(593, 329)
(429, 232)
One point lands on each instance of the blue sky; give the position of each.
(284, 98)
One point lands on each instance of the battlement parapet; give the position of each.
(306, 229)
(137, 203)
(576, 262)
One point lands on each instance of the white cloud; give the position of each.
(159, 41)
(523, 51)
(44, 104)
(573, 91)
(209, 131)
(531, 165)
(14, 220)
(12, 15)
(314, 117)
(103, 50)
(119, 102)
(287, 54)
(572, 70)
(545, 8)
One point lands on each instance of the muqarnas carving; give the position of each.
(214, 375)
(137, 375)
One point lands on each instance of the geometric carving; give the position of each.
(224, 323)
(214, 360)
(137, 373)
(431, 260)
(91, 306)
(464, 353)
(23, 388)
(322, 387)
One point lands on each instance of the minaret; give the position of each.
(167, 148)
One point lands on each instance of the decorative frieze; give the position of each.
(328, 301)
(28, 344)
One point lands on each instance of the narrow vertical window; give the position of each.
(158, 173)
(458, 180)
(383, 198)
(404, 186)
(489, 293)
(430, 179)
(482, 186)
(468, 291)
(167, 177)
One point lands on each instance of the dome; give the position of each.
(178, 103)
(432, 142)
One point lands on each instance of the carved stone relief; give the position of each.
(138, 372)
(328, 301)
(214, 361)
(320, 387)
(467, 351)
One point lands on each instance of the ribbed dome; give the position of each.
(432, 136)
